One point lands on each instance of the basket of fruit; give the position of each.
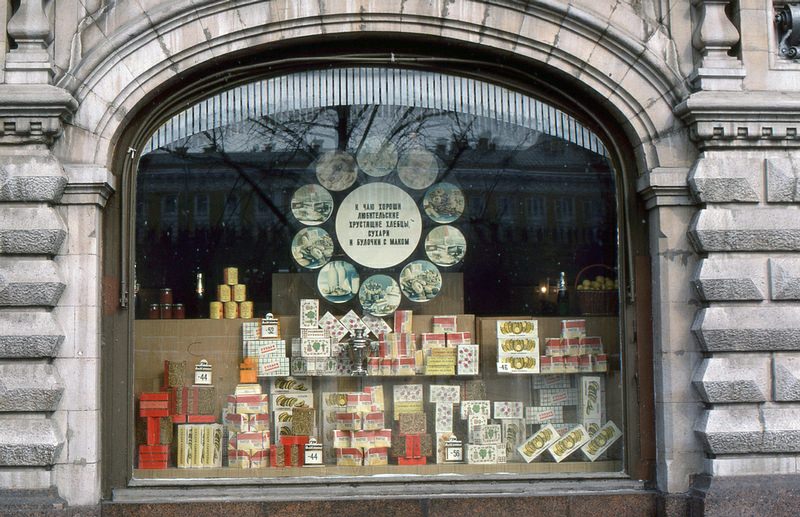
(597, 295)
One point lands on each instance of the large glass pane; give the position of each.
(438, 259)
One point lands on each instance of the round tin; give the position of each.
(231, 310)
(224, 293)
(246, 310)
(215, 310)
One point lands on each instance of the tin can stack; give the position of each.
(231, 302)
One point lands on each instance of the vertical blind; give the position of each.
(314, 89)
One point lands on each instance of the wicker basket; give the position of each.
(596, 303)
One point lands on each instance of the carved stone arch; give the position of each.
(122, 58)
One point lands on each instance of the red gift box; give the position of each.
(194, 419)
(292, 441)
(154, 404)
(153, 456)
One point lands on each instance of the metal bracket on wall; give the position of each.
(788, 22)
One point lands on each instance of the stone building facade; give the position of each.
(699, 91)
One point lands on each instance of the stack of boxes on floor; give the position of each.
(412, 444)
(293, 414)
(484, 439)
(193, 408)
(356, 423)
(154, 409)
(246, 418)
(574, 351)
(232, 300)
(199, 437)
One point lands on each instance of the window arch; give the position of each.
(383, 192)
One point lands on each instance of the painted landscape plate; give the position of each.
(445, 246)
(312, 205)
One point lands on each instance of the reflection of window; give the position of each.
(201, 210)
(565, 210)
(534, 211)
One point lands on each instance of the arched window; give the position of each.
(440, 254)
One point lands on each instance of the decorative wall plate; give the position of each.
(312, 205)
(312, 247)
(379, 295)
(445, 246)
(338, 281)
(418, 168)
(443, 203)
(420, 281)
(336, 171)
(377, 157)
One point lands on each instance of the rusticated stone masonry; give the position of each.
(31, 234)
(749, 232)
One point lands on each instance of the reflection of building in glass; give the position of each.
(533, 203)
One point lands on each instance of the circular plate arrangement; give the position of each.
(379, 295)
(420, 281)
(312, 247)
(338, 281)
(445, 246)
(336, 171)
(312, 205)
(444, 203)
(418, 168)
(377, 157)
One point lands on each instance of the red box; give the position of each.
(412, 461)
(290, 441)
(193, 419)
(153, 456)
(156, 395)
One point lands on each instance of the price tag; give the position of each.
(503, 368)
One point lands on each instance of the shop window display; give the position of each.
(372, 272)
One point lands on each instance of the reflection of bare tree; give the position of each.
(251, 168)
